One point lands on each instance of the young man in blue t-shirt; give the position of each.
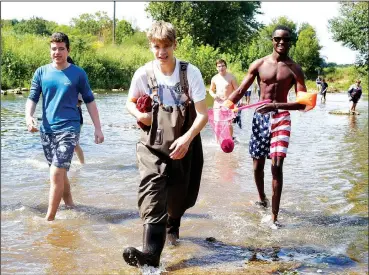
(59, 83)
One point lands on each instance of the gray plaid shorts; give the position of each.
(59, 148)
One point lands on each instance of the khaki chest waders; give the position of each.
(168, 186)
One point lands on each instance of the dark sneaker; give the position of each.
(276, 225)
(265, 203)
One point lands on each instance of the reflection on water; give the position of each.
(353, 126)
(324, 207)
(62, 243)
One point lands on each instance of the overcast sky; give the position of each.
(314, 13)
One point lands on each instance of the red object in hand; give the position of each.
(144, 106)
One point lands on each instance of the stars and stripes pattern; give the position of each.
(270, 135)
(280, 134)
(260, 137)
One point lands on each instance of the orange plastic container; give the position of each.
(308, 99)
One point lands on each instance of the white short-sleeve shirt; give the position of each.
(169, 89)
(251, 88)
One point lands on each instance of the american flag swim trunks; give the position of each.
(270, 134)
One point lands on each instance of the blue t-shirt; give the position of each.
(60, 90)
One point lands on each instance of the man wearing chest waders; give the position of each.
(167, 97)
(271, 125)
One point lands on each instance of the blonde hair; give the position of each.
(162, 31)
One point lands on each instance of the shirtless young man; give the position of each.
(275, 74)
(223, 84)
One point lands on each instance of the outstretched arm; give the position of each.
(300, 80)
(94, 114)
(350, 91)
(32, 100)
(212, 89)
(246, 82)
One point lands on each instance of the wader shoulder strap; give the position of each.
(153, 84)
(183, 77)
(151, 80)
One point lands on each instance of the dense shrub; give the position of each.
(21, 56)
(112, 66)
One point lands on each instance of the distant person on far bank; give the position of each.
(354, 93)
(59, 83)
(323, 90)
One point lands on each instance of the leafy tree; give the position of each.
(303, 26)
(331, 64)
(98, 24)
(306, 52)
(222, 25)
(51, 26)
(80, 44)
(351, 28)
(124, 30)
(69, 30)
(201, 56)
(35, 25)
(6, 23)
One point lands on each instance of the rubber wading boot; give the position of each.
(173, 230)
(153, 244)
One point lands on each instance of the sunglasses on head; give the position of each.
(279, 39)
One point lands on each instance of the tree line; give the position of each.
(206, 31)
